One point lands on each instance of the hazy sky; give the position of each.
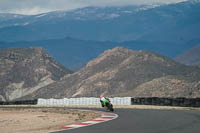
(41, 6)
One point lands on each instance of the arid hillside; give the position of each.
(25, 70)
(120, 70)
(168, 86)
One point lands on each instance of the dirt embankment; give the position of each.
(40, 120)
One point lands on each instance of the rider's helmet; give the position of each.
(101, 97)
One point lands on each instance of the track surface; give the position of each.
(146, 121)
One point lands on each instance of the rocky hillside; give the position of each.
(121, 70)
(190, 57)
(168, 86)
(25, 70)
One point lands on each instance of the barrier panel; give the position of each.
(182, 102)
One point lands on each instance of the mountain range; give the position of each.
(75, 37)
(114, 51)
(121, 70)
(171, 23)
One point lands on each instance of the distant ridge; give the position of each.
(178, 22)
(190, 57)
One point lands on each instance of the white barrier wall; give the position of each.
(84, 101)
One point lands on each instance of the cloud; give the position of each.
(41, 6)
(38, 6)
(30, 11)
(127, 2)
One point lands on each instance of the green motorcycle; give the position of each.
(105, 102)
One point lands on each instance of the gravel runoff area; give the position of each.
(27, 119)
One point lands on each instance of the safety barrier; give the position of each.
(84, 101)
(182, 102)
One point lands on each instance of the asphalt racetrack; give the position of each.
(146, 121)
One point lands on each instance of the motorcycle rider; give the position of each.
(104, 101)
